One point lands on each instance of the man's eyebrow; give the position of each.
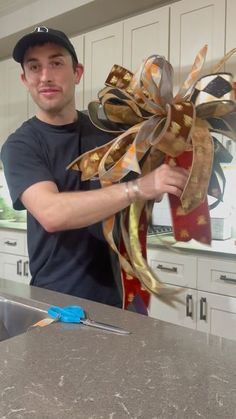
(50, 57)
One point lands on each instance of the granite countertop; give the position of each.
(73, 371)
(13, 225)
(217, 247)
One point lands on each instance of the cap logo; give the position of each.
(41, 29)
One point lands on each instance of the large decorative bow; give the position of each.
(153, 126)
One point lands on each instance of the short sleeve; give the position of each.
(24, 165)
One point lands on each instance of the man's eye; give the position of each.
(55, 64)
(34, 67)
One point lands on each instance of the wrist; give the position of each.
(132, 191)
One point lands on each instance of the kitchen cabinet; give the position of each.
(3, 104)
(78, 42)
(103, 48)
(17, 96)
(194, 24)
(16, 104)
(145, 35)
(230, 66)
(230, 35)
(183, 312)
(179, 269)
(216, 314)
(13, 256)
(207, 298)
(217, 275)
(124, 43)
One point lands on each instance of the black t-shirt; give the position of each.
(76, 262)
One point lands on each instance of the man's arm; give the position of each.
(57, 211)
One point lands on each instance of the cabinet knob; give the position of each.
(203, 308)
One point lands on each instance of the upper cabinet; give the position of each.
(103, 48)
(125, 43)
(78, 42)
(192, 25)
(14, 98)
(145, 35)
(230, 36)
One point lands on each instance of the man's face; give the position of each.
(50, 78)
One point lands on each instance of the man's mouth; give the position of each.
(48, 91)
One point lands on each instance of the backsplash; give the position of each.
(6, 210)
(226, 210)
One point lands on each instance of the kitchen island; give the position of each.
(74, 371)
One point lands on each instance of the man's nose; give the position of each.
(46, 74)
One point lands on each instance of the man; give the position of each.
(67, 250)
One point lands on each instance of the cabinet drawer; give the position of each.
(12, 242)
(173, 267)
(216, 275)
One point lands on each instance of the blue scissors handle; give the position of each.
(69, 314)
(75, 314)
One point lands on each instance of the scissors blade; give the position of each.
(104, 326)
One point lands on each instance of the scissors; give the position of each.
(76, 314)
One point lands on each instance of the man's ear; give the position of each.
(23, 79)
(79, 72)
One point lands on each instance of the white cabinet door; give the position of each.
(231, 35)
(13, 99)
(194, 24)
(103, 48)
(144, 35)
(17, 96)
(3, 104)
(182, 313)
(78, 42)
(216, 314)
(15, 268)
(230, 66)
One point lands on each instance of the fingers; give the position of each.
(164, 179)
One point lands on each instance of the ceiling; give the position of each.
(8, 6)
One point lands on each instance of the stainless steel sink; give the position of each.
(16, 317)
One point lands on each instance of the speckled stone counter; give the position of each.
(13, 225)
(226, 248)
(73, 371)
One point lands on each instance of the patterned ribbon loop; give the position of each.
(153, 126)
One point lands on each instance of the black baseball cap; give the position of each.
(41, 34)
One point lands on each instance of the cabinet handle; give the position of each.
(189, 302)
(203, 308)
(18, 267)
(225, 278)
(25, 268)
(10, 243)
(165, 268)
